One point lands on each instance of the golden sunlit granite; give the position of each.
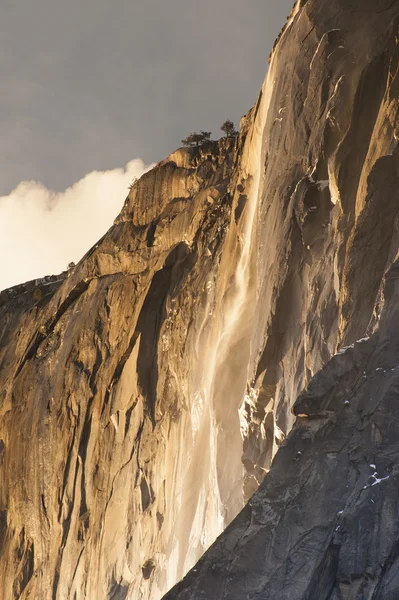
(145, 393)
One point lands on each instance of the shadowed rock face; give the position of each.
(144, 394)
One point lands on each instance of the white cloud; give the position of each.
(41, 231)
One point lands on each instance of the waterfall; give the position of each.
(208, 480)
(224, 341)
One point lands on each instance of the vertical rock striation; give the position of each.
(144, 394)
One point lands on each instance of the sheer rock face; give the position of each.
(324, 523)
(144, 395)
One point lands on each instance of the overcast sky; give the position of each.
(92, 84)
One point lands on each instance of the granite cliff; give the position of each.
(242, 307)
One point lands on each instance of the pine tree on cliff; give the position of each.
(229, 129)
(195, 139)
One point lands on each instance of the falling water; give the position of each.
(224, 340)
(209, 473)
(223, 351)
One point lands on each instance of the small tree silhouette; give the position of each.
(229, 129)
(195, 139)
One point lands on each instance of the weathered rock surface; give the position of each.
(144, 395)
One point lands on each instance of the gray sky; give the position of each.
(92, 84)
(87, 86)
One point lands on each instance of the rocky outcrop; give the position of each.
(145, 393)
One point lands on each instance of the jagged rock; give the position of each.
(145, 392)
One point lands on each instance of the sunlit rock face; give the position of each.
(144, 394)
(324, 523)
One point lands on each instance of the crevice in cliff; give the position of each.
(43, 502)
(85, 437)
(349, 152)
(118, 592)
(3, 529)
(66, 473)
(242, 201)
(66, 523)
(83, 512)
(45, 330)
(25, 569)
(77, 565)
(324, 577)
(147, 494)
(152, 315)
(151, 234)
(119, 368)
(55, 585)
